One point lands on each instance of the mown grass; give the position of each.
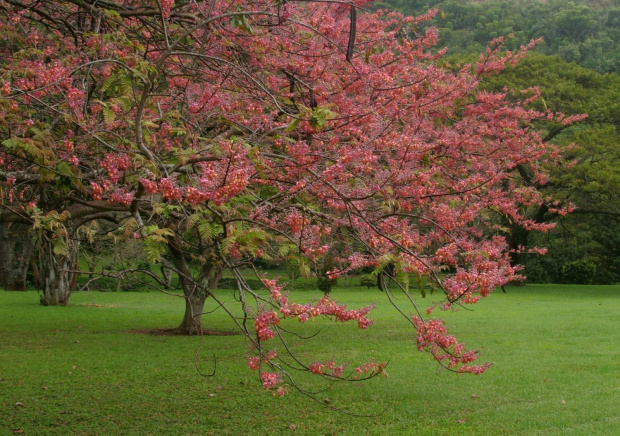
(83, 370)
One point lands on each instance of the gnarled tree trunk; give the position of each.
(16, 249)
(194, 304)
(56, 271)
(196, 291)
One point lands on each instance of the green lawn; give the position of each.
(83, 370)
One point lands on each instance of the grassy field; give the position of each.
(84, 369)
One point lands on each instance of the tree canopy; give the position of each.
(224, 132)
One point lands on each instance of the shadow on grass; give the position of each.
(178, 332)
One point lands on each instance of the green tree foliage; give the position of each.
(586, 32)
(590, 177)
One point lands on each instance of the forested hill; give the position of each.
(581, 31)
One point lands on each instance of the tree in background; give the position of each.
(588, 176)
(15, 255)
(585, 32)
(224, 132)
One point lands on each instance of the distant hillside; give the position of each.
(585, 32)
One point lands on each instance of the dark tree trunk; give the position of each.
(517, 239)
(192, 319)
(16, 248)
(196, 291)
(56, 271)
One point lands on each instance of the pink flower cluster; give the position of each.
(255, 361)
(170, 190)
(150, 186)
(270, 379)
(324, 307)
(96, 190)
(371, 368)
(121, 196)
(262, 325)
(115, 165)
(327, 368)
(432, 337)
(330, 308)
(166, 5)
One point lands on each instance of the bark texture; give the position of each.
(196, 291)
(56, 272)
(16, 248)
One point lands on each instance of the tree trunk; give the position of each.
(517, 240)
(56, 271)
(192, 319)
(16, 249)
(196, 291)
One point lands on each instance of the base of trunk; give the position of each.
(55, 300)
(192, 319)
(190, 329)
(16, 287)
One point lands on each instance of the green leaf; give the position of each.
(402, 278)
(60, 244)
(228, 243)
(207, 230)
(293, 125)
(304, 269)
(26, 146)
(285, 249)
(108, 114)
(65, 169)
(241, 22)
(384, 261)
(192, 220)
(421, 287)
(155, 242)
(320, 116)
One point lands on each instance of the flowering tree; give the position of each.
(227, 131)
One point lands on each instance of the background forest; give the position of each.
(585, 32)
(576, 67)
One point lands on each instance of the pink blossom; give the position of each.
(270, 379)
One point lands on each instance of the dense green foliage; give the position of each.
(84, 370)
(586, 32)
(590, 177)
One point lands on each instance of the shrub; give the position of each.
(368, 281)
(325, 284)
(580, 272)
